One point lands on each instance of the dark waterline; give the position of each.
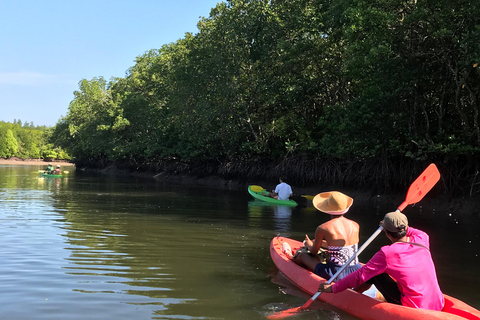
(96, 247)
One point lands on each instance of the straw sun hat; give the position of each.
(333, 202)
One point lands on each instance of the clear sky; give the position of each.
(48, 46)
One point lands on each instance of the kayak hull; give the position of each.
(262, 195)
(357, 304)
(51, 175)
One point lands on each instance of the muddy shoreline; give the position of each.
(33, 162)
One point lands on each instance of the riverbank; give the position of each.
(33, 162)
(436, 199)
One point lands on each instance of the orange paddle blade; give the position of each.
(285, 313)
(293, 311)
(420, 187)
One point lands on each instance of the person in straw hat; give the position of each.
(407, 259)
(339, 236)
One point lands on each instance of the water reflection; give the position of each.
(281, 215)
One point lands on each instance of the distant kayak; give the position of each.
(48, 175)
(357, 304)
(259, 193)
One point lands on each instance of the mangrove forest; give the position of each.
(361, 93)
(27, 141)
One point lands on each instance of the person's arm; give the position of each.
(375, 266)
(418, 236)
(315, 245)
(308, 244)
(277, 187)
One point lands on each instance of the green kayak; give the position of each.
(48, 175)
(259, 193)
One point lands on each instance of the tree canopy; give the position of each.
(391, 83)
(27, 141)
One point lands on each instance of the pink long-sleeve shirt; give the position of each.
(411, 265)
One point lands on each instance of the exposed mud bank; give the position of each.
(33, 162)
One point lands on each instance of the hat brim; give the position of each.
(320, 203)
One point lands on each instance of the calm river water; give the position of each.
(97, 247)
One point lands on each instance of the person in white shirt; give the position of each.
(282, 191)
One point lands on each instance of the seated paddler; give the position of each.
(407, 260)
(49, 169)
(339, 236)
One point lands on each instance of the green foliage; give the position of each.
(49, 151)
(86, 130)
(27, 141)
(8, 144)
(266, 79)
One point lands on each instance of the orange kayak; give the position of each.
(357, 304)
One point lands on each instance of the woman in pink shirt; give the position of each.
(407, 260)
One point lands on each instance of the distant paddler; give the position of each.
(49, 169)
(283, 191)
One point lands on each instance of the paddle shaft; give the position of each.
(369, 240)
(417, 190)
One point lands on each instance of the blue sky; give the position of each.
(48, 46)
